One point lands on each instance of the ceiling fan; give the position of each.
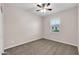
(44, 7)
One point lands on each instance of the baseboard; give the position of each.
(35, 40)
(20, 44)
(61, 42)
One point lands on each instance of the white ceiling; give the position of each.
(32, 7)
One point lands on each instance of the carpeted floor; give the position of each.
(43, 47)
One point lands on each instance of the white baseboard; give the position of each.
(37, 39)
(61, 42)
(20, 44)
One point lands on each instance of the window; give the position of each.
(55, 25)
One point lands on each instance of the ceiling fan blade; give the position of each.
(39, 6)
(43, 5)
(37, 10)
(48, 4)
(49, 9)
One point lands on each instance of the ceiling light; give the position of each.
(43, 10)
(44, 7)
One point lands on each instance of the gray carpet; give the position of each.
(43, 47)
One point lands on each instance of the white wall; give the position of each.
(20, 26)
(1, 31)
(68, 31)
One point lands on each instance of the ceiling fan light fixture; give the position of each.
(43, 10)
(44, 7)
